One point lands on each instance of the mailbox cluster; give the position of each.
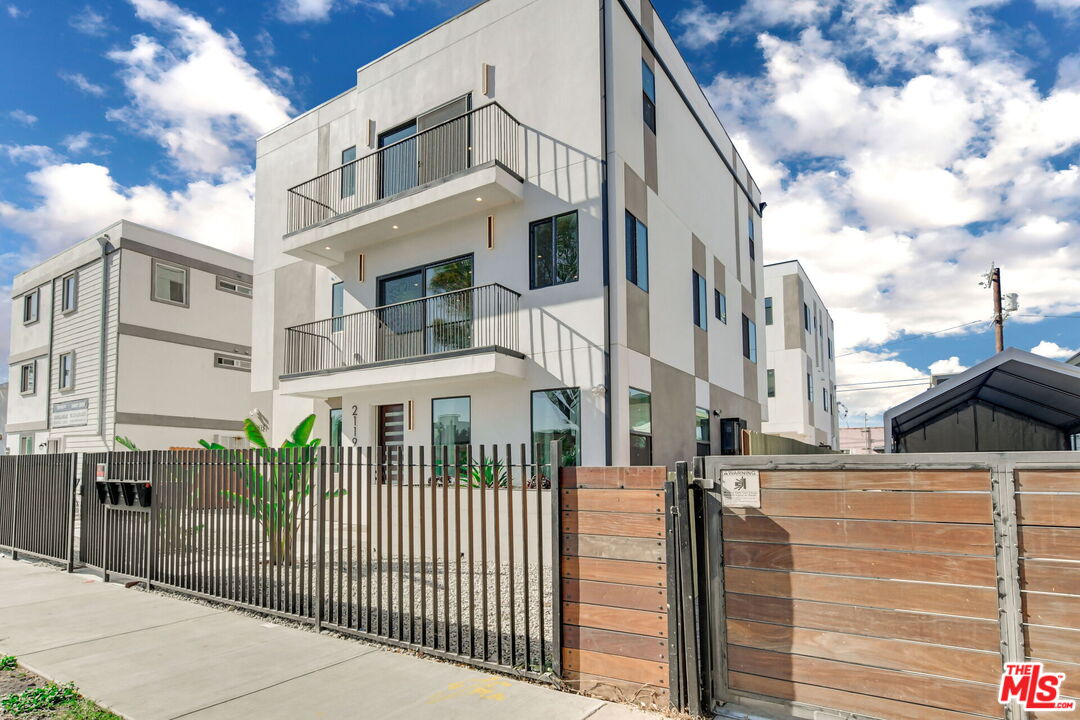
(123, 493)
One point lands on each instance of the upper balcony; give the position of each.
(469, 164)
(460, 333)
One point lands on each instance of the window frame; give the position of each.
(810, 387)
(700, 301)
(155, 263)
(635, 243)
(646, 436)
(28, 378)
(348, 177)
(806, 317)
(703, 447)
(221, 280)
(434, 400)
(26, 442)
(554, 220)
(337, 439)
(770, 382)
(69, 301)
(752, 238)
(750, 349)
(768, 311)
(240, 361)
(70, 357)
(720, 301)
(648, 100)
(32, 299)
(532, 422)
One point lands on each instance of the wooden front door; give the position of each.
(391, 436)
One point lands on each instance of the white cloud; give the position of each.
(1060, 6)
(23, 117)
(195, 93)
(15, 12)
(89, 22)
(85, 142)
(1052, 350)
(947, 366)
(320, 10)
(39, 155)
(873, 382)
(702, 26)
(80, 81)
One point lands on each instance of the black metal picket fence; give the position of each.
(444, 550)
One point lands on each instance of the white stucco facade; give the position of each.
(114, 352)
(570, 75)
(801, 357)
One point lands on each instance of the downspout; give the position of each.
(606, 234)
(102, 351)
(49, 363)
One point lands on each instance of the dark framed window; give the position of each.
(65, 376)
(770, 380)
(31, 303)
(810, 387)
(348, 172)
(28, 378)
(825, 399)
(701, 313)
(830, 348)
(69, 293)
(750, 230)
(637, 252)
(648, 95)
(335, 427)
(640, 427)
(768, 311)
(553, 245)
(169, 284)
(806, 316)
(451, 428)
(337, 305)
(720, 300)
(749, 339)
(556, 415)
(701, 431)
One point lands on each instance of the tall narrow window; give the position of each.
(640, 427)
(69, 293)
(451, 422)
(749, 339)
(810, 387)
(648, 93)
(701, 431)
(825, 399)
(337, 305)
(31, 301)
(553, 246)
(348, 172)
(26, 444)
(637, 252)
(750, 229)
(335, 427)
(169, 284)
(768, 311)
(556, 415)
(720, 300)
(66, 372)
(28, 378)
(701, 313)
(830, 348)
(770, 379)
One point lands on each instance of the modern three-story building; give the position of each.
(526, 224)
(131, 332)
(801, 377)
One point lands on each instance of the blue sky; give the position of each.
(901, 146)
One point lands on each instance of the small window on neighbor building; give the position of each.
(720, 299)
(648, 92)
(810, 387)
(640, 427)
(701, 305)
(806, 316)
(637, 252)
(749, 339)
(553, 244)
(768, 311)
(66, 372)
(750, 228)
(69, 293)
(26, 444)
(232, 362)
(170, 283)
(233, 286)
(825, 399)
(701, 431)
(31, 303)
(348, 172)
(28, 378)
(770, 379)
(830, 348)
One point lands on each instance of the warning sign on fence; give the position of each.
(740, 488)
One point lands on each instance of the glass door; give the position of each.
(401, 324)
(444, 150)
(397, 163)
(449, 319)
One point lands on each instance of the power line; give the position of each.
(885, 387)
(916, 337)
(875, 382)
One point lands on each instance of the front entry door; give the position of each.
(391, 436)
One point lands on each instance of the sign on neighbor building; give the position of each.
(740, 488)
(70, 413)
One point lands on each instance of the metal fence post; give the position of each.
(151, 517)
(320, 537)
(15, 507)
(1006, 555)
(73, 485)
(686, 591)
(556, 560)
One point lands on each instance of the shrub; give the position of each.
(38, 699)
(8, 662)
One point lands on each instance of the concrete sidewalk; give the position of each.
(149, 657)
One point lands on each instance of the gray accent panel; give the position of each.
(294, 294)
(648, 19)
(673, 404)
(810, 403)
(720, 276)
(650, 159)
(750, 369)
(127, 418)
(794, 334)
(729, 405)
(180, 339)
(638, 328)
(698, 250)
(322, 158)
(30, 354)
(167, 256)
(701, 353)
(27, 426)
(738, 242)
(635, 195)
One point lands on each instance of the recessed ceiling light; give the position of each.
(479, 199)
(327, 247)
(395, 227)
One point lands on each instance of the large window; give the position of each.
(640, 427)
(749, 339)
(556, 415)
(169, 284)
(768, 311)
(701, 431)
(637, 252)
(770, 379)
(31, 302)
(701, 312)
(335, 427)
(554, 250)
(648, 95)
(28, 378)
(451, 422)
(26, 444)
(69, 293)
(721, 306)
(348, 174)
(66, 372)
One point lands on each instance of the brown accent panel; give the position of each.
(1058, 510)
(794, 330)
(635, 195)
(642, 622)
(613, 547)
(1059, 610)
(638, 320)
(698, 256)
(651, 478)
(913, 506)
(674, 395)
(624, 524)
(1052, 543)
(651, 178)
(945, 480)
(878, 652)
(978, 602)
(827, 697)
(1052, 643)
(879, 622)
(701, 353)
(1048, 481)
(634, 597)
(890, 684)
(1049, 576)
(648, 20)
(738, 232)
(866, 534)
(617, 643)
(720, 278)
(952, 569)
(622, 571)
(621, 668)
(629, 501)
(614, 690)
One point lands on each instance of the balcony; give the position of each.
(469, 164)
(467, 332)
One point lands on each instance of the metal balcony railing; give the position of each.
(480, 136)
(474, 318)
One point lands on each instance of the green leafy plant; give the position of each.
(84, 709)
(486, 474)
(37, 699)
(276, 483)
(126, 442)
(8, 662)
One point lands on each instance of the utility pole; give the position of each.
(999, 319)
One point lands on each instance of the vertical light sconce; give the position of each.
(371, 135)
(361, 267)
(488, 80)
(491, 232)
(410, 415)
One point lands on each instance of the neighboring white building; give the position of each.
(867, 440)
(3, 416)
(525, 223)
(802, 365)
(132, 332)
